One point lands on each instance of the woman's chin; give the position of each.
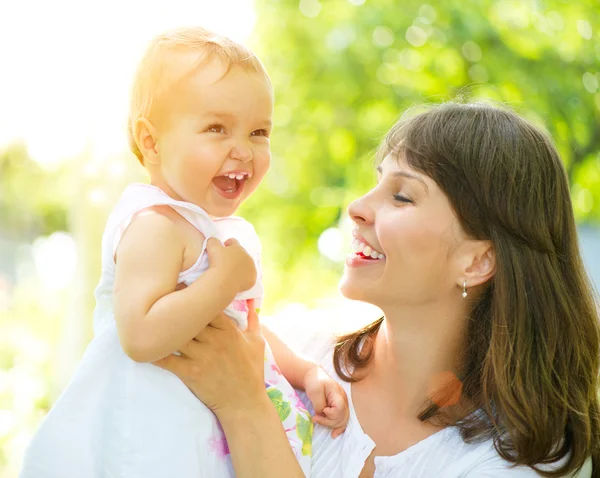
(352, 290)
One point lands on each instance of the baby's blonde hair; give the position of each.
(172, 56)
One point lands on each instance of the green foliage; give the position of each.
(33, 202)
(344, 71)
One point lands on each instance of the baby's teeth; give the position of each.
(239, 176)
(231, 176)
(380, 256)
(374, 254)
(367, 251)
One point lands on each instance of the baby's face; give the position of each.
(213, 142)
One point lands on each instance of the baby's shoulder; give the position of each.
(234, 223)
(238, 228)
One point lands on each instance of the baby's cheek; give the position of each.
(262, 159)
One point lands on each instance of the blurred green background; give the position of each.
(343, 71)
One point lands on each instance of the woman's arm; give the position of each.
(154, 319)
(258, 444)
(224, 368)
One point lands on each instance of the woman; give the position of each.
(486, 361)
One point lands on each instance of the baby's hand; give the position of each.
(328, 399)
(233, 261)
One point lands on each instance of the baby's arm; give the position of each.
(327, 396)
(152, 318)
(292, 366)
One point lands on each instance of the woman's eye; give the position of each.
(260, 132)
(400, 198)
(216, 128)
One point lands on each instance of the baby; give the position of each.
(173, 258)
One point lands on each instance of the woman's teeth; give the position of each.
(360, 247)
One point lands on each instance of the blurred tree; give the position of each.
(32, 200)
(344, 70)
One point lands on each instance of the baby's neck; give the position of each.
(160, 183)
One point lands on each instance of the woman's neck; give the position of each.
(417, 350)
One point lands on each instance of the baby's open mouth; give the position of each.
(231, 183)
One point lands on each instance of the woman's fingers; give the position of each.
(223, 366)
(221, 322)
(174, 364)
(189, 349)
(253, 332)
(253, 322)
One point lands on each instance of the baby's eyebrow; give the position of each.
(268, 123)
(219, 114)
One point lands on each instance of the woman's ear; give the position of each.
(480, 265)
(146, 138)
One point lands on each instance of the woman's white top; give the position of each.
(121, 419)
(441, 455)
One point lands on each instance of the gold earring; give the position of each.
(464, 292)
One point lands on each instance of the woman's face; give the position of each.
(412, 236)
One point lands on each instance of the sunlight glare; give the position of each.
(71, 62)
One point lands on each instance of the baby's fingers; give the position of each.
(337, 399)
(336, 418)
(337, 412)
(317, 397)
(337, 427)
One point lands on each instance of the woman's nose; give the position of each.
(360, 211)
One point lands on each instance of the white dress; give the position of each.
(121, 419)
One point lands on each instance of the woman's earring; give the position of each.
(464, 292)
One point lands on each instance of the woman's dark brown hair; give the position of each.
(533, 355)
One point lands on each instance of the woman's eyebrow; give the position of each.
(406, 174)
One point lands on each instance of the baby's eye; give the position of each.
(260, 132)
(216, 128)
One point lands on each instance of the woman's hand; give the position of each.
(223, 366)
